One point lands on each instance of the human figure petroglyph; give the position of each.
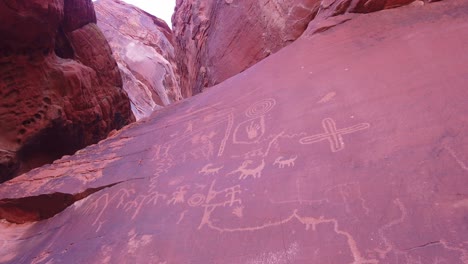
(123, 194)
(246, 172)
(282, 162)
(179, 195)
(202, 132)
(137, 203)
(219, 198)
(210, 169)
(333, 135)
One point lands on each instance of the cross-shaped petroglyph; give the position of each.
(333, 135)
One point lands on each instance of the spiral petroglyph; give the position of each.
(260, 108)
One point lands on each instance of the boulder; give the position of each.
(60, 87)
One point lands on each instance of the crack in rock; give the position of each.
(36, 208)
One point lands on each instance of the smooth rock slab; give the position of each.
(337, 149)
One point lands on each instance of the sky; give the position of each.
(160, 8)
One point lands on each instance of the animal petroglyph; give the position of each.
(333, 135)
(246, 172)
(310, 224)
(209, 169)
(282, 162)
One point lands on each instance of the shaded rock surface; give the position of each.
(337, 149)
(216, 40)
(142, 45)
(60, 88)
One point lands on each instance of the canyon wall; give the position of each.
(216, 40)
(348, 146)
(143, 47)
(60, 87)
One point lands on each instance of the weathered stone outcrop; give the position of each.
(60, 88)
(142, 45)
(216, 40)
(349, 146)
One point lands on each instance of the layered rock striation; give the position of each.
(60, 88)
(348, 146)
(143, 47)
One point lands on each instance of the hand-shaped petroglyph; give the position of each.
(253, 130)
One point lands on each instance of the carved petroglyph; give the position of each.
(253, 129)
(388, 246)
(219, 198)
(262, 152)
(260, 108)
(179, 195)
(351, 190)
(121, 195)
(457, 159)
(328, 97)
(136, 204)
(333, 135)
(250, 131)
(462, 250)
(282, 162)
(246, 172)
(182, 215)
(202, 134)
(238, 211)
(310, 224)
(196, 200)
(210, 169)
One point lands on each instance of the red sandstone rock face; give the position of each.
(142, 45)
(337, 149)
(216, 40)
(60, 88)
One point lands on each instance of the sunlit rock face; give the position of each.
(143, 47)
(60, 88)
(337, 149)
(216, 40)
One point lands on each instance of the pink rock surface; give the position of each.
(60, 87)
(142, 45)
(337, 149)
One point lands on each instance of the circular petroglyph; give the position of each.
(196, 200)
(260, 108)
